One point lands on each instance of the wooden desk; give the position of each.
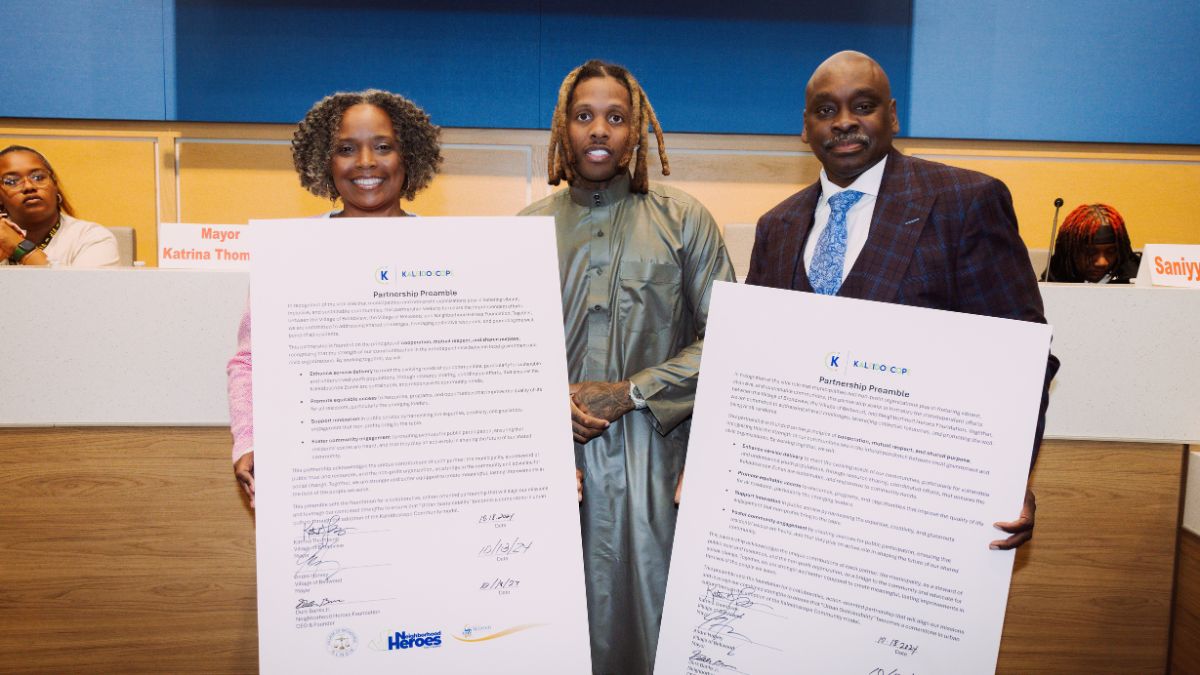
(125, 550)
(131, 550)
(1092, 592)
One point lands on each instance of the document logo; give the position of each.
(342, 642)
(389, 274)
(879, 366)
(404, 640)
(470, 631)
(840, 361)
(833, 360)
(485, 633)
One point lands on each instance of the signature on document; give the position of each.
(720, 614)
(317, 537)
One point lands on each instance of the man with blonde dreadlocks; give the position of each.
(637, 261)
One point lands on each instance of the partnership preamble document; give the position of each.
(847, 461)
(416, 500)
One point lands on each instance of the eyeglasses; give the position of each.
(37, 179)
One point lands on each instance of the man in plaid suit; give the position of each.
(915, 232)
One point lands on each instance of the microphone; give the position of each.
(1058, 202)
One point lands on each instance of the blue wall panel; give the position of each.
(1077, 70)
(707, 66)
(262, 61)
(85, 59)
(1074, 70)
(725, 67)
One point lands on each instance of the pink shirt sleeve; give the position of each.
(241, 403)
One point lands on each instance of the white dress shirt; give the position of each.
(858, 218)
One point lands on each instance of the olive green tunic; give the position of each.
(636, 273)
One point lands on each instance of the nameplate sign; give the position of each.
(1176, 265)
(203, 246)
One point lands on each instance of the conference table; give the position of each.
(127, 545)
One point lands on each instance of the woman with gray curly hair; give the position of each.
(370, 149)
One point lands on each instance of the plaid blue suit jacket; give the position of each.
(940, 237)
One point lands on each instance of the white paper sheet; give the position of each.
(414, 464)
(847, 461)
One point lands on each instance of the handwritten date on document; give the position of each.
(901, 647)
(502, 549)
(497, 519)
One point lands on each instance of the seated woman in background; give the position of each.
(37, 223)
(1093, 247)
(371, 149)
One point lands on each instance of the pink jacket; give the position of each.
(241, 408)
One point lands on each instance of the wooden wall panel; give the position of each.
(1185, 633)
(479, 180)
(1092, 592)
(124, 551)
(1152, 203)
(234, 172)
(738, 186)
(234, 180)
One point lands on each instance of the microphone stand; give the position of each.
(1058, 202)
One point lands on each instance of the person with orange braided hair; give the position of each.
(1093, 247)
(636, 262)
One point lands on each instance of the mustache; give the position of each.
(855, 137)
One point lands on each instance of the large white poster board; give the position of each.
(414, 465)
(847, 461)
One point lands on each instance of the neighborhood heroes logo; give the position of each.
(403, 640)
(836, 361)
(388, 274)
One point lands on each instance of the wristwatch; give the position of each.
(22, 249)
(636, 396)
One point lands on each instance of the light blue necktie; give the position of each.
(825, 272)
